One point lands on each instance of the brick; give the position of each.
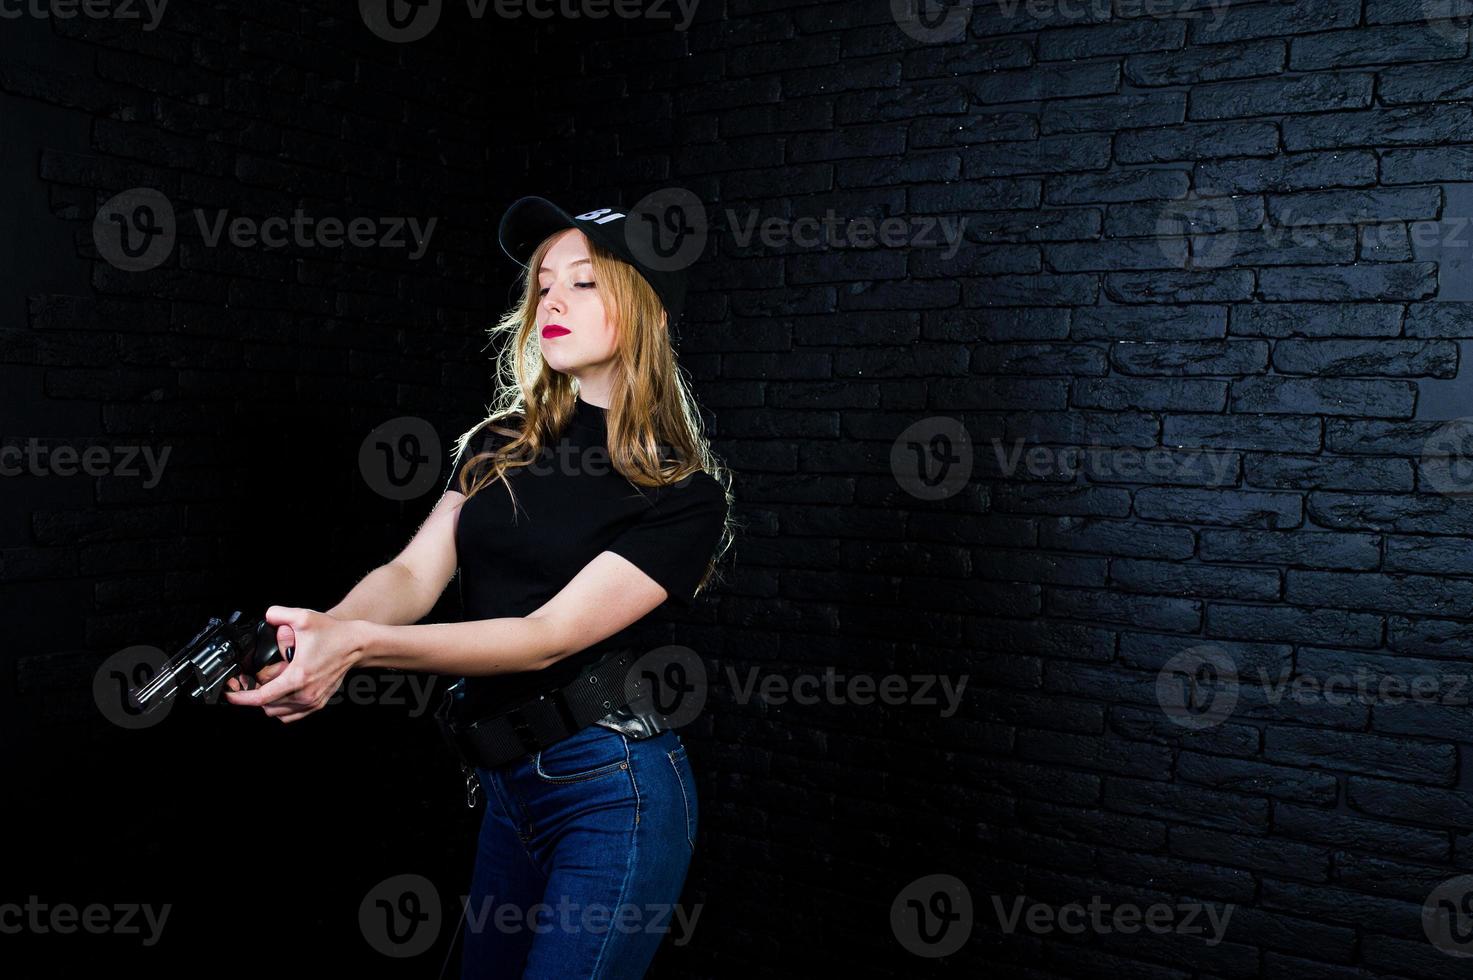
(1400, 758)
(1327, 396)
(1292, 172)
(1192, 395)
(1385, 358)
(1294, 624)
(1200, 357)
(1319, 549)
(1305, 93)
(1276, 782)
(1226, 507)
(1198, 63)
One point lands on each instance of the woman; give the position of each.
(580, 511)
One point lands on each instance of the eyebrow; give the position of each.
(542, 271)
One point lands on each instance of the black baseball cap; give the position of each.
(529, 220)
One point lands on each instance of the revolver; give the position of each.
(217, 653)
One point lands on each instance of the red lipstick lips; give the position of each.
(554, 330)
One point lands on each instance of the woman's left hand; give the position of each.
(326, 649)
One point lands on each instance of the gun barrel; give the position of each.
(200, 658)
(159, 691)
(209, 659)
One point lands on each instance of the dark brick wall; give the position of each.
(1197, 240)
(1245, 236)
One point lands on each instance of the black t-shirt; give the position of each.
(571, 504)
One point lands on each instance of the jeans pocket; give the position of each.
(594, 751)
(685, 779)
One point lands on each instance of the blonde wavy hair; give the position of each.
(650, 408)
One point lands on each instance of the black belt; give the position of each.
(542, 720)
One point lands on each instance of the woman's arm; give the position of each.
(607, 595)
(402, 591)
(478, 648)
(405, 589)
(389, 594)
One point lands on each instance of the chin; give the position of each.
(560, 361)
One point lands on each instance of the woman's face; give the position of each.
(572, 323)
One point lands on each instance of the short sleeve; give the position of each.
(454, 482)
(478, 442)
(675, 539)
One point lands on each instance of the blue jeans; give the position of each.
(581, 859)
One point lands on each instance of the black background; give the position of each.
(1061, 141)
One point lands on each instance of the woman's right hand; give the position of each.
(245, 682)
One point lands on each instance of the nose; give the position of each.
(553, 301)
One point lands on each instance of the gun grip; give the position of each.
(266, 652)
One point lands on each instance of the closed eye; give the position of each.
(543, 290)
